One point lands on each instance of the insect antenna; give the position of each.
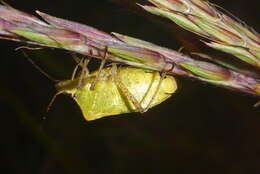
(45, 74)
(37, 67)
(52, 100)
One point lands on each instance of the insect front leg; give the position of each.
(83, 63)
(79, 63)
(129, 96)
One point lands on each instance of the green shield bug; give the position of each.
(118, 90)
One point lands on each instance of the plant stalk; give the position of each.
(63, 34)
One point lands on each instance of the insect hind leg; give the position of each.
(125, 91)
(162, 76)
(93, 84)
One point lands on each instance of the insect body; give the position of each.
(118, 90)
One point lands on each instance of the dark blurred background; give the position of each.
(201, 129)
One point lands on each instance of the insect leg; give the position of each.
(180, 49)
(93, 84)
(162, 76)
(83, 63)
(257, 104)
(84, 72)
(29, 48)
(124, 90)
(76, 69)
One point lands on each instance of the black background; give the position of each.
(201, 129)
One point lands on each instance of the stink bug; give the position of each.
(118, 90)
